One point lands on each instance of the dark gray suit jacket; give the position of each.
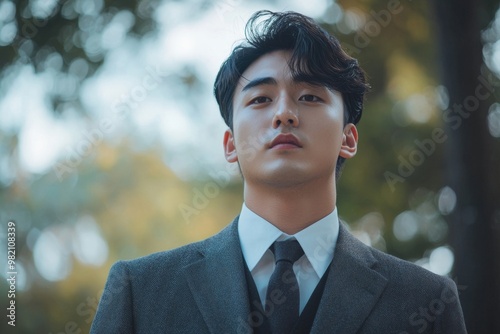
(201, 288)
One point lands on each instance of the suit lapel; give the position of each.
(352, 288)
(218, 282)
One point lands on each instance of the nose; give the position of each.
(286, 115)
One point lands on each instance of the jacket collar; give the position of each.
(352, 289)
(218, 284)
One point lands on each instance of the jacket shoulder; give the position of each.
(415, 299)
(170, 262)
(406, 272)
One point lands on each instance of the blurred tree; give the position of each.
(66, 36)
(141, 207)
(394, 43)
(472, 158)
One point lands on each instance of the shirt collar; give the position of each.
(317, 240)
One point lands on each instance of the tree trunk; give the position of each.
(472, 163)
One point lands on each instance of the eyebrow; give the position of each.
(271, 81)
(259, 82)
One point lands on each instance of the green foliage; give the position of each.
(64, 38)
(136, 202)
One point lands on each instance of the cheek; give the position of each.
(329, 144)
(251, 133)
(327, 130)
(245, 143)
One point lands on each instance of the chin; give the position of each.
(285, 177)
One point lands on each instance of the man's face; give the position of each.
(285, 132)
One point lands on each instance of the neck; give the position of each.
(292, 209)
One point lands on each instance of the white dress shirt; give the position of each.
(317, 240)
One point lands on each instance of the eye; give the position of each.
(310, 98)
(259, 100)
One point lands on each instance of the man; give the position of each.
(291, 98)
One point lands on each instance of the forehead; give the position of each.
(273, 64)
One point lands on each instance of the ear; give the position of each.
(229, 148)
(349, 141)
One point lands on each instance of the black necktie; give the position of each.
(282, 298)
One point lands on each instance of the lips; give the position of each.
(285, 141)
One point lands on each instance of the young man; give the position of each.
(291, 98)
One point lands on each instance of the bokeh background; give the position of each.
(111, 140)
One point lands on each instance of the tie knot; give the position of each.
(289, 251)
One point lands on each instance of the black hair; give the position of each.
(317, 58)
